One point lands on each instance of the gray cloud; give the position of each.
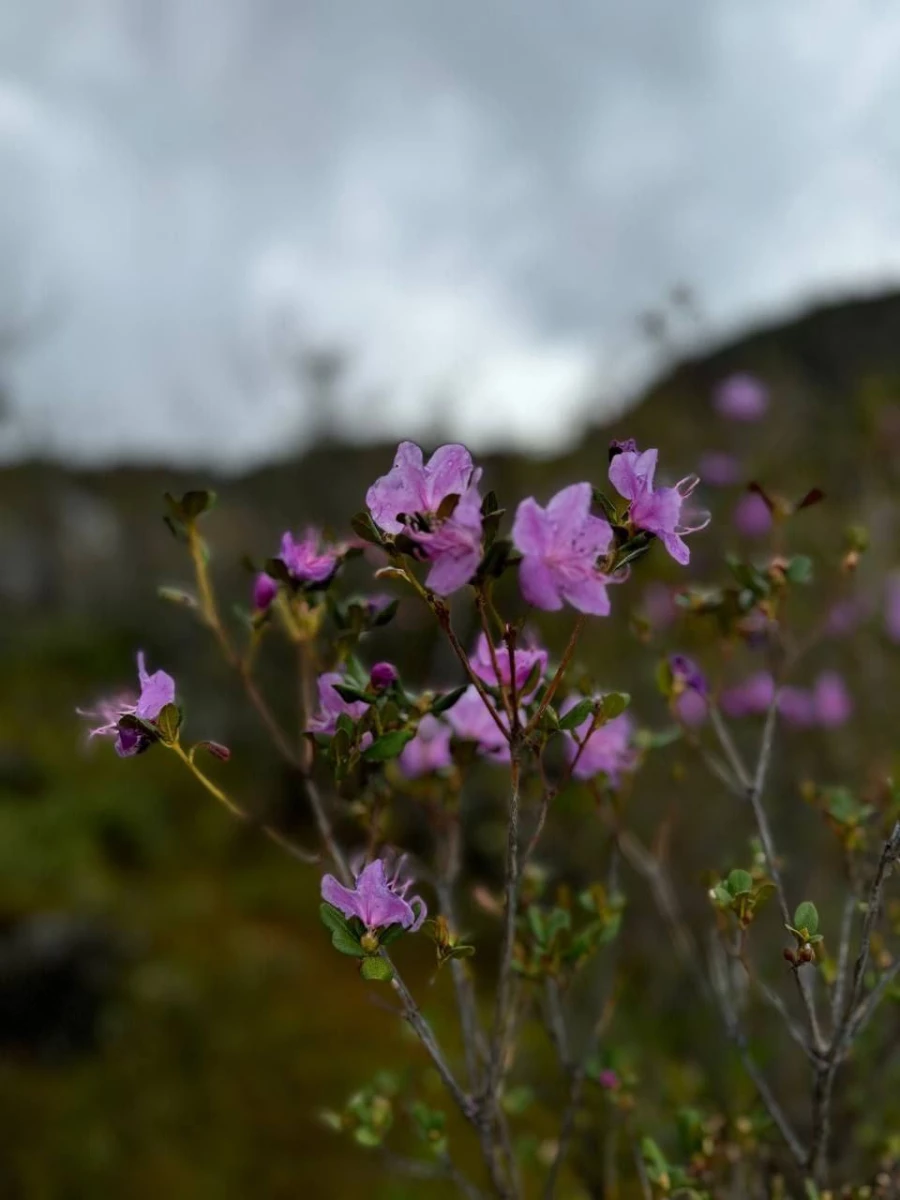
(471, 202)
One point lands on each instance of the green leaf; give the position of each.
(194, 504)
(364, 527)
(614, 704)
(168, 723)
(386, 615)
(807, 917)
(389, 745)
(602, 501)
(722, 896)
(365, 1136)
(739, 883)
(441, 704)
(578, 714)
(664, 677)
(332, 918)
(347, 943)
(177, 596)
(536, 924)
(657, 739)
(389, 935)
(376, 969)
(800, 569)
(463, 950)
(352, 694)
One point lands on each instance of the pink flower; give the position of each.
(332, 705)
(719, 469)
(831, 700)
(526, 659)
(156, 691)
(471, 722)
(560, 546)
(655, 510)
(752, 696)
(741, 397)
(378, 900)
(428, 751)
(658, 605)
(382, 676)
(305, 561)
(413, 487)
(797, 706)
(752, 517)
(452, 545)
(691, 708)
(608, 750)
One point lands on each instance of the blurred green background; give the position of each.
(171, 1014)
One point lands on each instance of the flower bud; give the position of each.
(789, 956)
(382, 675)
(608, 1079)
(369, 942)
(265, 589)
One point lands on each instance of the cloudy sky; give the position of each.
(470, 203)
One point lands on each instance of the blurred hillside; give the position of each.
(211, 1021)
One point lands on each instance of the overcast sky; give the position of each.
(472, 201)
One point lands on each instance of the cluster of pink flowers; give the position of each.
(563, 546)
(827, 703)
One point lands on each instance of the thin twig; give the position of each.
(560, 673)
(843, 964)
(511, 896)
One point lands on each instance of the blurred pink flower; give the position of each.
(831, 700)
(741, 397)
(752, 517)
(719, 469)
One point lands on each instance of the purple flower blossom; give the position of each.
(831, 700)
(332, 705)
(753, 695)
(752, 517)
(156, 691)
(719, 469)
(560, 546)
(377, 899)
(413, 487)
(525, 659)
(797, 706)
(608, 749)
(608, 1080)
(656, 510)
(265, 589)
(686, 675)
(741, 397)
(452, 545)
(471, 722)
(691, 708)
(306, 561)
(892, 606)
(428, 751)
(382, 675)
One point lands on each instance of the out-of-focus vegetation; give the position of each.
(170, 1018)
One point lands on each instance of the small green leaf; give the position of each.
(800, 569)
(352, 694)
(614, 704)
(578, 714)
(332, 918)
(364, 527)
(347, 943)
(177, 596)
(807, 917)
(602, 501)
(388, 746)
(722, 896)
(739, 883)
(463, 950)
(194, 504)
(389, 935)
(441, 704)
(367, 1137)
(376, 969)
(657, 739)
(168, 723)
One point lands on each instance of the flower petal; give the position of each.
(588, 595)
(569, 510)
(539, 584)
(448, 473)
(531, 528)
